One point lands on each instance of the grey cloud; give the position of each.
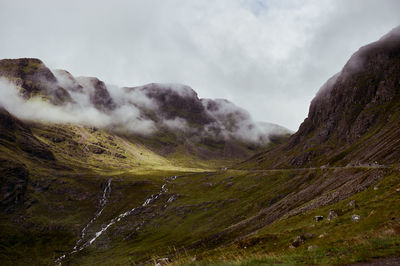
(269, 57)
(142, 110)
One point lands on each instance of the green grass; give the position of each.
(214, 216)
(342, 241)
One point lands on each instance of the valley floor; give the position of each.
(231, 217)
(108, 201)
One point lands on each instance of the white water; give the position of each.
(149, 200)
(103, 202)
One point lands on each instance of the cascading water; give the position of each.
(149, 200)
(78, 246)
(102, 204)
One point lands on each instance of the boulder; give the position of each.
(311, 247)
(299, 240)
(332, 215)
(355, 217)
(163, 261)
(318, 218)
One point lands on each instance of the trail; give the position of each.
(375, 166)
(79, 246)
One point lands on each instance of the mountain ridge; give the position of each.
(327, 195)
(363, 97)
(145, 111)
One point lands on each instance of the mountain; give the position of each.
(354, 118)
(158, 114)
(128, 176)
(33, 78)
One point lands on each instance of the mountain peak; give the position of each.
(151, 111)
(364, 97)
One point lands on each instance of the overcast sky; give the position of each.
(267, 56)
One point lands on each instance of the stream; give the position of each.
(102, 204)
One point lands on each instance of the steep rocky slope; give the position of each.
(160, 114)
(354, 118)
(84, 195)
(33, 78)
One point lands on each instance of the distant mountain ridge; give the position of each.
(92, 174)
(155, 102)
(150, 111)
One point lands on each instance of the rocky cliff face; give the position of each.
(98, 93)
(13, 183)
(14, 175)
(343, 105)
(17, 134)
(175, 101)
(161, 113)
(33, 78)
(354, 118)
(76, 194)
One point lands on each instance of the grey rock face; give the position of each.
(332, 215)
(318, 218)
(13, 183)
(300, 240)
(355, 217)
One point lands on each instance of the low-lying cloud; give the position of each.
(136, 110)
(357, 62)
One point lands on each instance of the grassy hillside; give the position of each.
(206, 215)
(329, 194)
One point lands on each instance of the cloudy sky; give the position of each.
(267, 56)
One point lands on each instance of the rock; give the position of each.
(14, 130)
(163, 261)
(33, 78)
(96, 150)
(34, 147)
(398, 189)
(355, 217)
(352, 203)
(207, 185)
(14, 178)
(376, 187)
(229, 184)
(322, 235)
(332, 215)
(311, 247)
(98, 94)
(298, 241)
(318, 218)
(351, 95)
(118, 155)
(308, 235)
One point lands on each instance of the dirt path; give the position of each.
(315, 168)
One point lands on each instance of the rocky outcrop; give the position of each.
(33, 78)
(165, 115)
(176, 101)
(98, 93)
(17, 134)
(354, 118)
(344, 106)
(67, 81)
(13, 183)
